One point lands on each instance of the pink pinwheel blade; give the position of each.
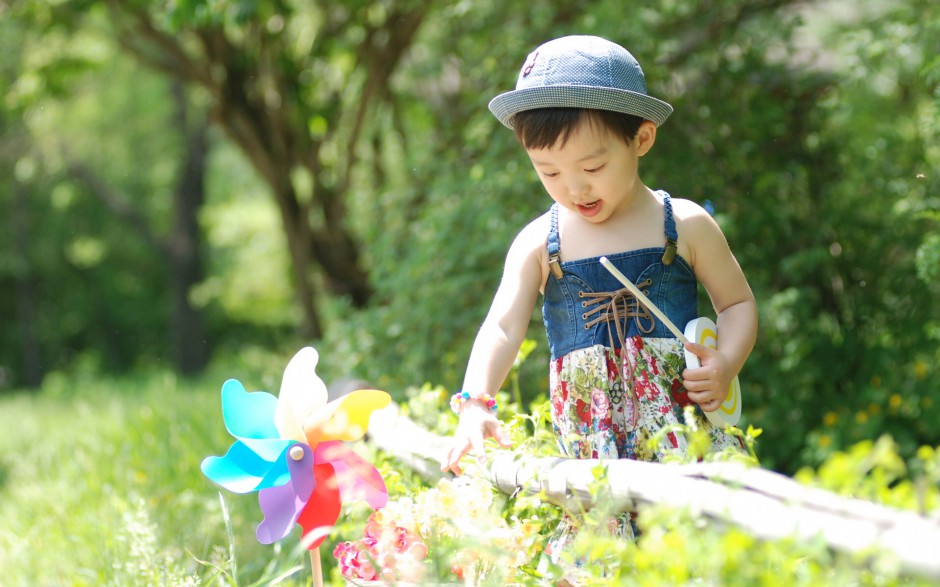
(282, 505)
(323, 506)
(355, 477)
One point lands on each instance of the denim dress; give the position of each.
(615, 375)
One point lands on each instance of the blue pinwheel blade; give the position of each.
(249, 417)
(242, 470)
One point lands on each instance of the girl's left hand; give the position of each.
(708, 384)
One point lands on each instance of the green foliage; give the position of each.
(815, 186)
(874, 471)
(813, 132)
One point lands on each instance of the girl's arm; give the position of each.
(718, 271)
(498, 342)
(501, 335)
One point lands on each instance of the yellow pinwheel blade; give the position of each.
(345, 418)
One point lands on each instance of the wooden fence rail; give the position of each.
(765, 504)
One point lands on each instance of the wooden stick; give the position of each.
(316, 568)
(641, 297)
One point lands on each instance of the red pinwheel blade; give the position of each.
(322, 508)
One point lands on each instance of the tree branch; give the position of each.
(175, 60)
(697, 36)
(117, 202)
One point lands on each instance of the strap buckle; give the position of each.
(554, 263)
(670, 254)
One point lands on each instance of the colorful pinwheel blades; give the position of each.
(290, 450)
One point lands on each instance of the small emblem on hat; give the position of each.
(528, 68)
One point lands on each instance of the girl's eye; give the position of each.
(595, 170)
(552, 174)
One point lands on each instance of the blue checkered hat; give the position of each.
(581, 72)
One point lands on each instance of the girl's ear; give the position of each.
(645, 138)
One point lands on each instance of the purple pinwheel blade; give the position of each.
(282, 505)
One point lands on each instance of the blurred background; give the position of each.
(196, 183)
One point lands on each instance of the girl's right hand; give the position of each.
(476, 424)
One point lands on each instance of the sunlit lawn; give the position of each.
(100, 485)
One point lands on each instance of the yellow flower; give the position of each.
(824, 441)
(920, 370)
(830, 419)
(861, 417)
(894, 401)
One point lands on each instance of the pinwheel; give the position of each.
(291, 450)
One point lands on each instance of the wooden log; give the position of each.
(399, 436)
(765, 504)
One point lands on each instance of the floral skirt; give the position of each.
(609, 404)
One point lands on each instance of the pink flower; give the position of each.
(601, 403)
(353, 562)
(396, 550)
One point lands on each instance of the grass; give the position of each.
(100, 485)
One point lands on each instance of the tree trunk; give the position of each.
(298, 236)
(191, 348)
(186, 325)
(26, 315)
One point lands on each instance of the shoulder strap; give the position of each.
(672, 235)
(554, 243)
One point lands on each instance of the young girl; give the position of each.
(617, 376)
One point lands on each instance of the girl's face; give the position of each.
(595, 172)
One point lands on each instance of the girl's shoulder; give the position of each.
(684, 209)
(699, 234)
(529, 248)
(533, 235)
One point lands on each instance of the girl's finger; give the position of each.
(451, 460)
(699, 350)
(476, 444)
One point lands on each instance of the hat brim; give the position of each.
(504, 106)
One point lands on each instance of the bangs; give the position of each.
(544, 128)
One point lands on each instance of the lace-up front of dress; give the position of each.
(615, 307)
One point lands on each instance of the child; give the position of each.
(617, 376)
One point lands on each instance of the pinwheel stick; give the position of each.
(316, 567)
(641, 297)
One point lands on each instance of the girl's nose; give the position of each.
(579, 187)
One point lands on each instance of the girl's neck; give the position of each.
(637, 224)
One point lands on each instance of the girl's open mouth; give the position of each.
(590, 209)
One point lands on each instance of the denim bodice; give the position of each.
(584, 305)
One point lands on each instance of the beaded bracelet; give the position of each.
(458, 399)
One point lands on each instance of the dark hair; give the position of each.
(543, 127)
